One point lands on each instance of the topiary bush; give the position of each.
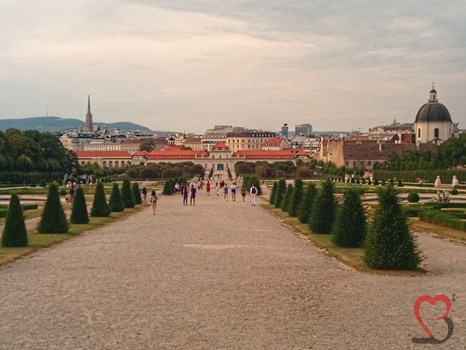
(281, 189)
(136, 193)
(305, 207)
(274, 192)
(14, 232)
(413, 197)
(79, 213)
(127, 194)
(115, 202)
(296, 198)
(63, 192)
(400, 183)
(167, 188)
(287, 199)
(454, 192)
(324, 209)
(53, 218)
(349, 229)
(100, 207)
(389, 243)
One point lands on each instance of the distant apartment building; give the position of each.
(248, 140)
(303, 129)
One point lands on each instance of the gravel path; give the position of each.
(219, 275)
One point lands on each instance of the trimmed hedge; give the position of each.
(413, 197)
(442, 218)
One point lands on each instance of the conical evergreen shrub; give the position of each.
(14, 232)
(79, 213)
(136, 193)
(127, 194)
(273, 193)
(281, 189)
(287, 199)
(324, 209)
(115, 202)
(305, 208)
(349, 229)
(167, 188)
(296, 198)
(53, 217)
(389, 243)
(100, 207)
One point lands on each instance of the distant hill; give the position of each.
(43, 124)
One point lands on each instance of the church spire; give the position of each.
(89, 123)
(433, 94)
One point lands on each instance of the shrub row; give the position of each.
(442, 218)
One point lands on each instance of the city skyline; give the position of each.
(188, 66)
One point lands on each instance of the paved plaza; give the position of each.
(218, 275)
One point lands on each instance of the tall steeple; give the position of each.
(89, 124)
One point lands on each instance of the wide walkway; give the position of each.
(218, 275)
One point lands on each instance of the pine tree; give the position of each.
(349, 229)
(14, 232)
(127, 194)
(287, 199)
(296, 198)
(389, 243)
(305, 207)
(79, 213)
(100, 207)
(53, 217)
(274, 193)
(323, 214)
(136, 193)
(115, 202)
(281, 189)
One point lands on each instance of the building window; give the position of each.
(362, 163)
(436, 133)
(419, 133)
(219, 166)
(354, 164)
(346, 163)
(369, 162)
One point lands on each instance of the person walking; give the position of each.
(253, 193)
(217, 188)
(153, 200)
(243, 191)
(233, 191)
(184, 193)
(193, 195)
(207, 188)
(225, 192)
(144, 195)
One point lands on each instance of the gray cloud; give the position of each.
(167, 64)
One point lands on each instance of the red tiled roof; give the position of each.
(103, 154)
(262, 154)
(141, 153)
(220, 146)
(276, 141)
(175, 152)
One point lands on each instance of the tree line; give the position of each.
(386, 238)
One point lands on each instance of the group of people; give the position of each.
(190, 191)
(153, 199)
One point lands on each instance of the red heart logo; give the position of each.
(433, 301)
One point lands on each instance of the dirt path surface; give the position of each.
(218, 275)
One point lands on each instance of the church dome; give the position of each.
(433, 111)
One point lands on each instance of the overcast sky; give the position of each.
(192, 64)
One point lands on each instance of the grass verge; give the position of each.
(439, 231)
(352, 257)
(40, 240)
